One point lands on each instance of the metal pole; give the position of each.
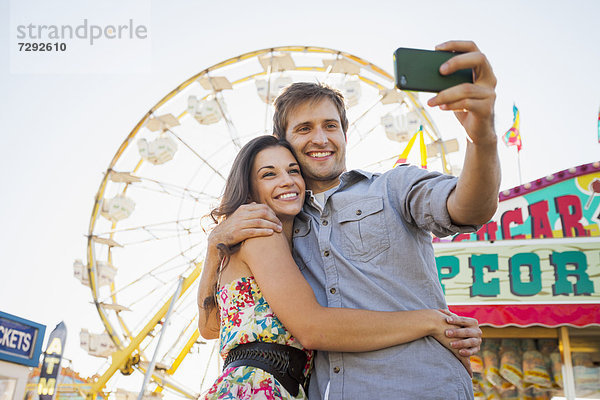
(150, 370)
(567, 368)
(519, 165)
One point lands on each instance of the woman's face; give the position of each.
(275, 180)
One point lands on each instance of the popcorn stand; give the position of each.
(531, 276)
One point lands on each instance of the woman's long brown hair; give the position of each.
(237, 192)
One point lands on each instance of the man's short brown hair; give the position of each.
(299, 93)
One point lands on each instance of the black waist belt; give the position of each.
(285, 363)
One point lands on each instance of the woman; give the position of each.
(255, 335)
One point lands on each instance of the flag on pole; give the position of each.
(512, 137)
(404, 156)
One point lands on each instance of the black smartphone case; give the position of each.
(418, 70)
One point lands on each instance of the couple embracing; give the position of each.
(321, 282)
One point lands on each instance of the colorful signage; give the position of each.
(20, 340)
(51, 363)
(537, 261)
(516, 272)
(565, 204)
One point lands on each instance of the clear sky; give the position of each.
(61, 129)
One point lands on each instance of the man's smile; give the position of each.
(319, 154)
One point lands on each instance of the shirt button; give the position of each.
(358, 212)
(332, 290)
(336, 369)
(326, 253)
(324, 222)
(296, 230)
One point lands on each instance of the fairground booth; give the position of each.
(531, 276)
(20, 348)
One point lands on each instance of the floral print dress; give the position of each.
(247, 317)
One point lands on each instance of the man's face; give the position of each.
(315, 132)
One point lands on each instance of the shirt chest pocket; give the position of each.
(363, 229)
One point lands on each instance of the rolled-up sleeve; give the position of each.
(421, 199)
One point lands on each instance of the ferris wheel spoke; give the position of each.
(153, 271)
(381, 163)
(188, 196)
(212, 352)
(132, 303)
(145, 295)
(145, 318)
(174, 190)
(186, 349)
(354, 123)
(156, 235)
(267, 103)
(228, 121)
(166, 291)
(187, 327)
(183, 306)
(331, 66)
(216, 171)
(173, 268)
(354, 126)
(362, 137)
(233, 132)
(155, 226)
(220, 154)
(191, 323)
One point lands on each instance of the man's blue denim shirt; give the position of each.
(370, 248)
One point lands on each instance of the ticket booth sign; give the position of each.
(20, 340)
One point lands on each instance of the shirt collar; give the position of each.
(351, 175)
(346, 178)
(309, 198)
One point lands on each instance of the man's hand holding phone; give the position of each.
(475, 198)
(472, 103)
(464, 82)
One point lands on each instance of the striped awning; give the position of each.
(524, 315)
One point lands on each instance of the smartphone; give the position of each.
(419, 70)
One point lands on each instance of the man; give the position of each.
(363, 240)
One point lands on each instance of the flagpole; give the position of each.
(519, 165)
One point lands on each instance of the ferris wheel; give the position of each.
(146, 236)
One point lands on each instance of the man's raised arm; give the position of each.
(475, 198)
